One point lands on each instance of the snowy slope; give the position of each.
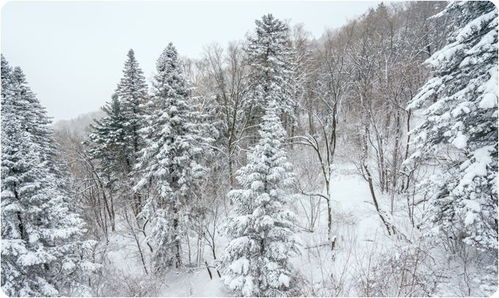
(356, 226)
(362, 244)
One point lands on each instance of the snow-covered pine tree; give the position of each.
(460, 121)
(24, 192)
(271, 58)
(6, 71)
(115, 140)
(34, 118)
(108, 146)
(256, 261)
(132, 93)
(41, 249)
(167, 163)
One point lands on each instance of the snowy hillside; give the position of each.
(79, 125)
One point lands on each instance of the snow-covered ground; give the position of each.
(195, 283)
(356, 227)
(350, 269)
(355, 224)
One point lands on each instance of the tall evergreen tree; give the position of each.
(108, 144)
(460, 114)
(115, 140)
(6, 71)
(270, 56)
(168, 160)
(34, 117)
(42, 251)
(25, 191)
(132, 93)
(123, 119)
(262, 228)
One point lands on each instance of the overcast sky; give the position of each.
(73, 52)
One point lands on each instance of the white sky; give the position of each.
(73, 52)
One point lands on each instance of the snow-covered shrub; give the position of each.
(402, 271)
(118, 283)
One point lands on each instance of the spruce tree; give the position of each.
(122, 122)
(168, 161)
(42, 250)
(6, 71)
(459, 106)
(132, 93)
(34, 117)
(108, 145)
(270, 56)
(115, 140)
(24, 191)
(262, 228)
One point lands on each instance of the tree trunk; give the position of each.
(178, 257)
(407, 147)
(231, 170)
(375, 201)
(329, 221)
(137, 242)
(329, 213)
(395, 162)
(311, 127)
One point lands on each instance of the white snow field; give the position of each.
(356, 225)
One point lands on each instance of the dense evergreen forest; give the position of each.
(361, 163)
